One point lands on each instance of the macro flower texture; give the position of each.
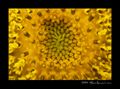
(60, 44)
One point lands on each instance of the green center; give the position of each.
(59, 39)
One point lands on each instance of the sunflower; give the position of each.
(60, 44)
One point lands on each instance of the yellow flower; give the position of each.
(102, 32)
(105, 75)
(71, 59)
(75, 62)
(62, 73)
(33, 78)
(96, 67)
(28, 76)
(13, 45)
(13, 35)
(11, 49)
(19, 25)
(101, 64)
(11, 77)
(19, 19)
(11, 59)
(76, 52)
(103, 47)
(108, 47)
(31, 75)
(86, 11)
(22, 78)
(109, 56)
(109, 40)
(71, 74)
(28, 10)
(43, 73)
(78, 43)
(99, 58)
(20, 63)
(12, 26)
(34, 72)
(12, 17)
(57, 65)
(15, 10)
(17, 71)
(82, 61)
(47, 64)
(61, 62)
(108, 67)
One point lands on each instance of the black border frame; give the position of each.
(37, 4)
